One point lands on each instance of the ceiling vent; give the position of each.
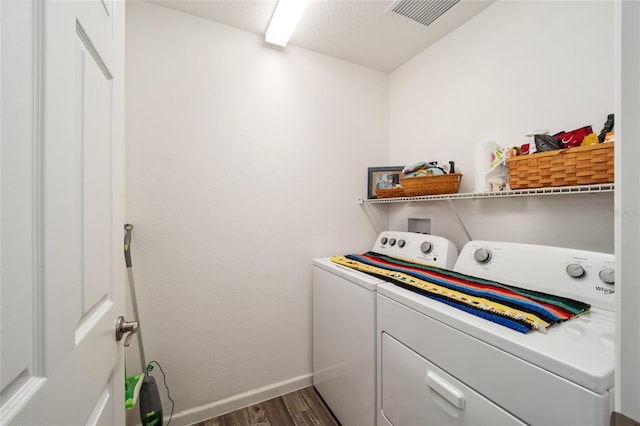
(422, 11)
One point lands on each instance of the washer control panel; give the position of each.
(421, 248)
(582, 275)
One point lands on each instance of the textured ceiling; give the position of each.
(357, 31)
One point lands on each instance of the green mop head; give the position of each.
(132, 385)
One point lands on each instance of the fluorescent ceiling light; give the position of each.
(284, 20)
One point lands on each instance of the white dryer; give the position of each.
(344, 324)
(442, 366)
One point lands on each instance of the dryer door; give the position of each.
(416, 392)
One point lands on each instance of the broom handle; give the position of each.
(132, 290)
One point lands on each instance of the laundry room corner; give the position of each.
(513, 68)
(244, 162)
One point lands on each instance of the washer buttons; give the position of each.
(574, 270)
(608, 275)
(482, 255)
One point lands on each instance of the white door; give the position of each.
(63, 278)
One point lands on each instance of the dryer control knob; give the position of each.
(576, 271)
(482, 255)
(392, 242)
(401, 243)
(383, 240)
(608, 275)
(426, 247)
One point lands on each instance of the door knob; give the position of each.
(123, 327)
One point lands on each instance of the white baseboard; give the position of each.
(241, 400)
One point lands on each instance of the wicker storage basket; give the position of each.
(390, 193)
(582, 165)
(431, 185)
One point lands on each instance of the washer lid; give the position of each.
(367, 281)
(580, 350)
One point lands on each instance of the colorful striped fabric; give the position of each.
(517, 308)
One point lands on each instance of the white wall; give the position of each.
(627, 214)
(244, 162)
(517, 66)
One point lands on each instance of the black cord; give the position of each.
(164, 378)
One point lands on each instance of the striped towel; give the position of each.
(517, 308)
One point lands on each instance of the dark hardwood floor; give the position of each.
(302, 407)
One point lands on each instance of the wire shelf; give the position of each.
(559, 190)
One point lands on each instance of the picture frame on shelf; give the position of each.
(385, 177)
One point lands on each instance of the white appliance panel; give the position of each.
(421, 248)
(544, 268)
(344, 344)
(363, 280)
(580, 350)
(344, 324)
(417, 392)
(518, 386)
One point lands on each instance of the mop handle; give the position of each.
(127, 244)
(134, 301)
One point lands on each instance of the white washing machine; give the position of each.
(344, 318)
(441, 366)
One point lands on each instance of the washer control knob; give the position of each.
(608, 275)
(482, 255)
(401, 243)
(426, 247)
(383, 240)
(576, 271)
(392, 242)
